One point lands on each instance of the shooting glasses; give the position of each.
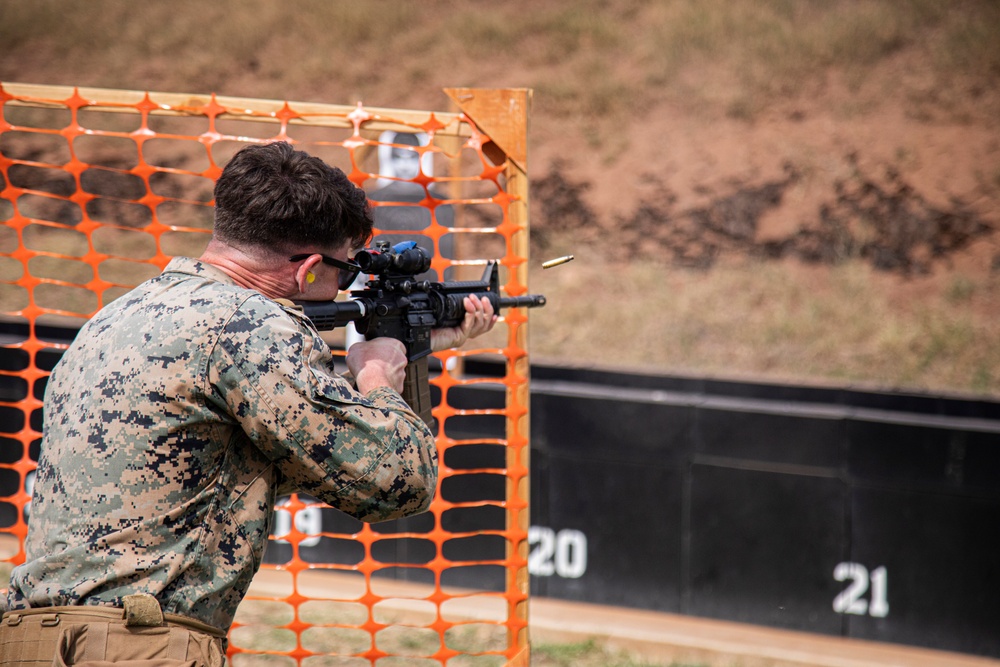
(348, 270)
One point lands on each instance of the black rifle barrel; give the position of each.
(529, 301)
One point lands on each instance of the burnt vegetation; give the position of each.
(881, 220)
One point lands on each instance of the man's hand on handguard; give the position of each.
(479, 318)
(380, 362)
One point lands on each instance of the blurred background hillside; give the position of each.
(788, 190)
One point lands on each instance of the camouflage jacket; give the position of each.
(172, 422)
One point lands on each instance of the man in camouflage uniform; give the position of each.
(186, 406)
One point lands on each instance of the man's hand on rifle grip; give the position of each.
(380, 362)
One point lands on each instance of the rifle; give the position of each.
(395, 304)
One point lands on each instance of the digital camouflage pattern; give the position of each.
(172, 422)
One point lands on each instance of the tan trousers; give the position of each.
(90, 636)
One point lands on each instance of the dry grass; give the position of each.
(849, 324)
(620, 53)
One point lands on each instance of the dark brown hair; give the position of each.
(273, 196)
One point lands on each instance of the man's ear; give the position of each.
(304, 275)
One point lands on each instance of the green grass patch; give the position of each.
(590, 653)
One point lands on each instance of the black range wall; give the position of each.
(862, 514)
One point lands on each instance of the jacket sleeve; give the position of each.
(367, 455)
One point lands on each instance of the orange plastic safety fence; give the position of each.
(98, 189)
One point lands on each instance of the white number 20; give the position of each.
(851, 600)
(563, 553)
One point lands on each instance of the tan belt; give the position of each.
(66, 636)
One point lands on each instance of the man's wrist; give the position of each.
(371, 377)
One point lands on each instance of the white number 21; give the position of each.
(851, 600)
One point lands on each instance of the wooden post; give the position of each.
(502, 115)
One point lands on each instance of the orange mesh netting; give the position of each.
(99, 188)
